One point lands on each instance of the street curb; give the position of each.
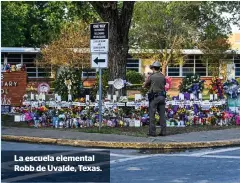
(120, 145)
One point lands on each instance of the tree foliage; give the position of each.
(105, 79)
(168, 27)
(35, 23)
(61, 88)
(13, 20)
(69, 50)
(215, 55)
(134, 77)
(164, 28)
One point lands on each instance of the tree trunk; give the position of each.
(164, 69)
(119, 25)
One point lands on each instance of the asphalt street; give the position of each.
(143, 166)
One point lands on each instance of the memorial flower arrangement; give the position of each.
(192, 84)
(179, 113)
(231, 88)
(216, 87)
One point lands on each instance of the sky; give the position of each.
(235, 29)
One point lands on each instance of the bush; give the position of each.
(70, 74)
(105, 79)
(134, 77)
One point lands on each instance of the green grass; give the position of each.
(8, 121)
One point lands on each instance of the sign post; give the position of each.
(100, 98)
(99, 44)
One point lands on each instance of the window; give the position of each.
(14, 59)
(173, 71)
(188, 66)
(90, 74)
(133, 64)
(2, 58)
(43, 72)
(193, 64)
(200, 67)
(28, 60)
(237, 65)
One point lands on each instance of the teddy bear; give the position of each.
(18, 67)
(13, 68)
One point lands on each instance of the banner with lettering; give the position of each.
(13, 87)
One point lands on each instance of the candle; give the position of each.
(200, 96)
(43, 96)
(211, 96)
(87, 98)
(109, 97)
(181, 96)
(215, 97)
(40, 96)
(59, 98)
(97, 97)
(37, 97)
(56, 96)
(32, 96)
(191, 96)
(114, 98)
(69, 97)
(117, 93)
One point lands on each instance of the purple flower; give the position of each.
(176, 97)
(187, 96)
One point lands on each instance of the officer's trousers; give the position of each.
(157, 104)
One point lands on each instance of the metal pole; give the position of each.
(100, 98)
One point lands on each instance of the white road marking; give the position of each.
(122, 155)
(177, 181)
(215, 151)
(95, 150)
(222, 157)
(134, 168)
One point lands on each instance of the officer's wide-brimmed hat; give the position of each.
(155, 64)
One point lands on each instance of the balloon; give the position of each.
(168, 83)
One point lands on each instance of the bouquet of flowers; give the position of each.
(216, 87)
(40, 110)
(231, 88)
(192, 84)
(214, 109)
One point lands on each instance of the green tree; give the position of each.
(164, 28)
(13, 18)
(119, 16)
(168, 27)
(36, 23)
(61, 88)
(105, 79)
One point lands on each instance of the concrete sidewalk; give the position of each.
(217, 138)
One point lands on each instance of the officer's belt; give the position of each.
(162, 93)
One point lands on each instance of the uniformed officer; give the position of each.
(157, 94)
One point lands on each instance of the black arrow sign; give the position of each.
(96, 60)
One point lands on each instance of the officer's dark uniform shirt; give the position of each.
(157, 82)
